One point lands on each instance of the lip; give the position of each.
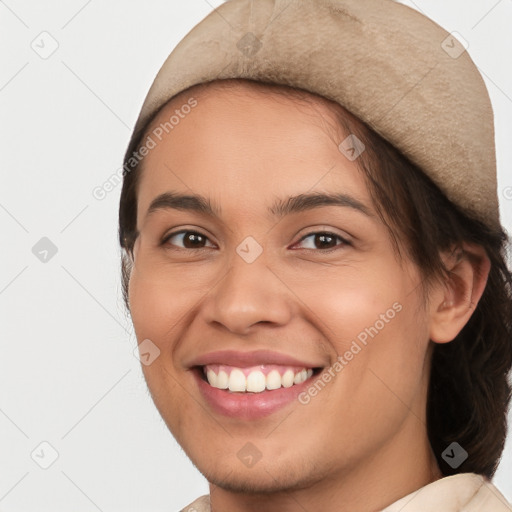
(248, 406)
(254, 358)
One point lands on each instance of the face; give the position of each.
(274, 275)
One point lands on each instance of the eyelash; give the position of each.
(344, 242)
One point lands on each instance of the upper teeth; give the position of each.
(254, 379)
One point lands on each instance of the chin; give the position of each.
(262, 478)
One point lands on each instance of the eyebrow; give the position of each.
(281, 207)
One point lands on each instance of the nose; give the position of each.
(248, 294)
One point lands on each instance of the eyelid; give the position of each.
(168, 236)
(326, 231)
(344, 240)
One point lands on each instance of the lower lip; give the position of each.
(248, 405)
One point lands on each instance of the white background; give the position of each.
(67, 372)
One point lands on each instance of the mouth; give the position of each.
(256, 379)
(251, 385)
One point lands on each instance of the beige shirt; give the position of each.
(464, 492)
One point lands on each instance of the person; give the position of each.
(314, 263)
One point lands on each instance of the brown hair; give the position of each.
(468, 393)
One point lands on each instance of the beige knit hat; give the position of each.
(405, 76)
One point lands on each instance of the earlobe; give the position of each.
(455, 300)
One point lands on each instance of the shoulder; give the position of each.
(463, 492)
(487, 498)
(202, 504)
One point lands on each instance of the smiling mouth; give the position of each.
(254, 379)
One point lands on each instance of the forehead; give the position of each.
(242, 145)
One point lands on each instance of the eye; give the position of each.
(323, 240)
(187, 239)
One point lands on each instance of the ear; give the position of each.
(453, 302)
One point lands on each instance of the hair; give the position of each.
(469, 391)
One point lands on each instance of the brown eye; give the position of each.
(187, 240)
(322, 240)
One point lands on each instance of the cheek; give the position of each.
(163, 305)
(153, 305)
(160, 296)
(155, 310)
(379, 336)
(373, 323)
